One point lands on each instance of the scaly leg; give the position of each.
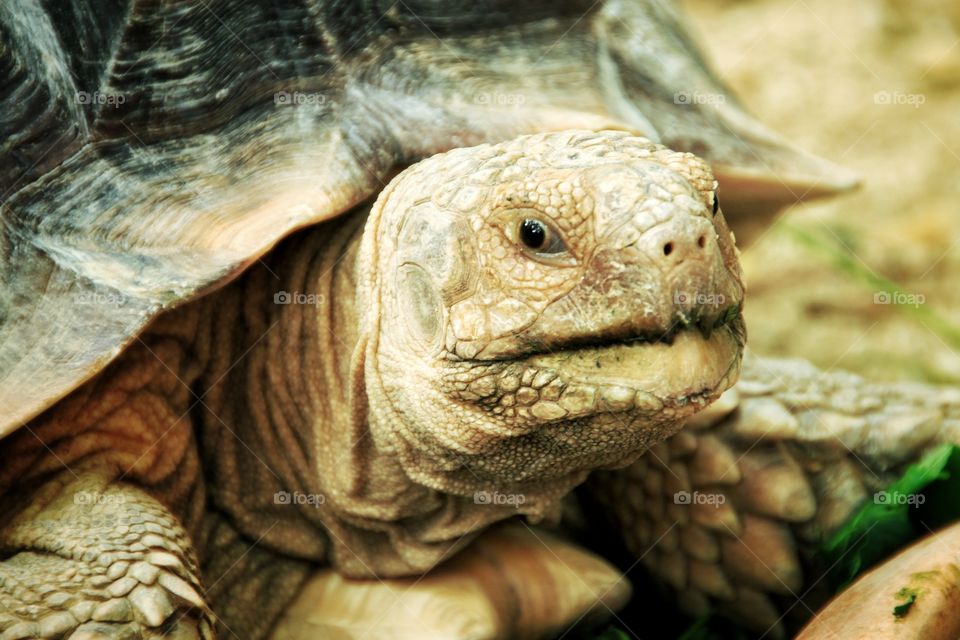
(84, 557)
(730, 512)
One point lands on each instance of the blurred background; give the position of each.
(870, 281)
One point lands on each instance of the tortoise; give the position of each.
(195, 384)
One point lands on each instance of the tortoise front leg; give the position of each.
(730, 513)
(90, 558)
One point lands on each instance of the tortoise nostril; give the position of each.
(679, 240)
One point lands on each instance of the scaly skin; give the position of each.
(516, 343)
(438, 357)
(778, 464)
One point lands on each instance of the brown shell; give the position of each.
(151, 150)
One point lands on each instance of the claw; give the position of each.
(182, 589)
(152, 603)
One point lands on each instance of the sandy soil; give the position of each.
(874, 86)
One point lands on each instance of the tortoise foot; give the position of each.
(97, 560)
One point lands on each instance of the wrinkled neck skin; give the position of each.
(380, 521)
(322, 397)
(388, 511)
(294, 401)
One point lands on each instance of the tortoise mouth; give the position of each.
(696, 320)
(684, 367)
(702, 319)
(661, 377)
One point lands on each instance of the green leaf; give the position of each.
(923, 498)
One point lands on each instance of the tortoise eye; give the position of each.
(716, 204)
(538, 236)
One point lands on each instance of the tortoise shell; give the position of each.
(152, 150)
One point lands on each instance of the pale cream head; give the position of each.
(546, 306)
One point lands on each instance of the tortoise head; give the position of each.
(544, 307)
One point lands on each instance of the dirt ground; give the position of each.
(874, 86)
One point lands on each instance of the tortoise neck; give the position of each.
(370, 508)
(293, 415)
(276, 409)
